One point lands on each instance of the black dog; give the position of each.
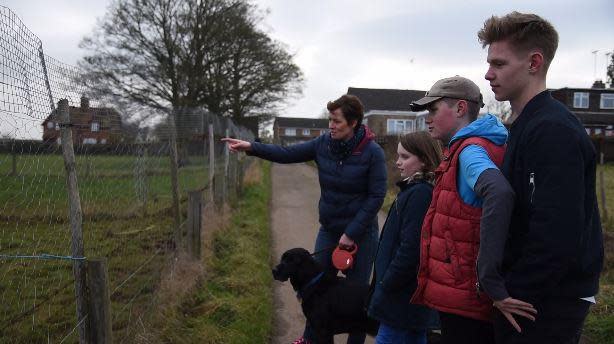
(331, 304)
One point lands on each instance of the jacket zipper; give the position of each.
(532, 185)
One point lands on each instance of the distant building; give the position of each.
(593, 106)
(291, 130)
(387, 111)
(90, 125)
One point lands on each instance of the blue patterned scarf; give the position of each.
(342, 149)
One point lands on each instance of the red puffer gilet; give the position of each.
(447, 279)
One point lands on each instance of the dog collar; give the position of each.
(299, 294)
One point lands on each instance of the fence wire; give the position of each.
(124, 181)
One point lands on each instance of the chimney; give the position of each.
(85, 103)
(598, 84)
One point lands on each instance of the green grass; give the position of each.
(129, 226)
(233, 304)
(599, 326)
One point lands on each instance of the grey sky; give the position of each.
(376, 44)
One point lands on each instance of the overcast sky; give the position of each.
(374, 44)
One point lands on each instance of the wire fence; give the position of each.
(132, 183)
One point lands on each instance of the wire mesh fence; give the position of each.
(132, 190)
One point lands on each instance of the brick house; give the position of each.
(387, 111)
(291, 130)
(593, 106)
(90, 125)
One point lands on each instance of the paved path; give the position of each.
(294, 222)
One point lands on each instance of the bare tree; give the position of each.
(610, 71)
(172, 55)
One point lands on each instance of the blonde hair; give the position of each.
(525, 31)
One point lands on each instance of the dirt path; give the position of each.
(294, 221)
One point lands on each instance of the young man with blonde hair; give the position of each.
(554, 251)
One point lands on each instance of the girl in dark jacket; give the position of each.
(352, 175)
(396, 263)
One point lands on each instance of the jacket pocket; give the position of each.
(453, 258)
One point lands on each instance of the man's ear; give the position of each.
(461, 108)
(536, 62)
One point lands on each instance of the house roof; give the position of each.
(386, 99)
(297, 122)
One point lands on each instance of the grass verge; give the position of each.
(233, 303)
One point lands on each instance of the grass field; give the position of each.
(233, 303)
(126, 218)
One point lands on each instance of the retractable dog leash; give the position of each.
(343, 259)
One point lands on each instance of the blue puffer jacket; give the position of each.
(396, 263)
(351, 190)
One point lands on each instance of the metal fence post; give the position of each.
(75, 215)
(99, 305)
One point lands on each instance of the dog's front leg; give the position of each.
(324, 338)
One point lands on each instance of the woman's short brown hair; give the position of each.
(524, 31)
(350, 106)
(427, 149)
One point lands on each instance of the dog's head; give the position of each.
(293, 263)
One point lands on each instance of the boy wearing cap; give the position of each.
(467, 221)
(554, 252)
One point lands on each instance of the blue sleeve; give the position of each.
(473, 160)
(300, 152)
(404, 266)
(376, 193)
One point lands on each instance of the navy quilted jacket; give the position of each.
(352, 190)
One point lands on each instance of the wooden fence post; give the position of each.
(75, 215)
(174, 178)
(211, 163)
(226, 165)
(194, 224)
(99, 302)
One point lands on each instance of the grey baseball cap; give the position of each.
(455, 87)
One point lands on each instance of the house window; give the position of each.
(57, 126)
(290, 132)
(322, 132)
(306, 132)
(607, 101)
(598, 131)
(580, 100)
(421, 123)
(95, 127)
(50, 125)
(400, 126)
(103, 141)
(89, 141)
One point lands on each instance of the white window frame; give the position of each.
(306, 132)
(421, 123)
(580, 100)
(399, 126)
(89, 141)
(607, 99)
(289, 131)
(57, 126)
(95, 127)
